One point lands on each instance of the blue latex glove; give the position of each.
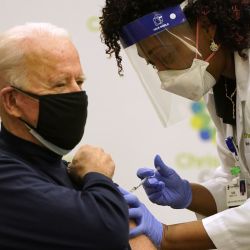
(165, 187)
(146, 223)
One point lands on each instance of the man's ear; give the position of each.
(8, 99)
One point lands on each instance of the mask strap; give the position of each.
(212, 55)
(197, 43)
(47, 144)
(26, 93)
(197, 37)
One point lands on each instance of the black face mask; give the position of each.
(61, 120)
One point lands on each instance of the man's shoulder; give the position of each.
(12, 167)
(8, 159)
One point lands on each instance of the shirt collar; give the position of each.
(26, 149)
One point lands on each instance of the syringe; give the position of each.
(143, 180)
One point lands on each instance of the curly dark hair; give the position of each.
(232, 18)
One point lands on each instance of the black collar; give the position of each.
(225, 99)
(25, 149)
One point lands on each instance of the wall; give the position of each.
(121, 118)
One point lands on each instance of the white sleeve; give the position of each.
(230, 229)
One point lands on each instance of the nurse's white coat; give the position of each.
(229, 229)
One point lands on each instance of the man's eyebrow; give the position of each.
(82, 77)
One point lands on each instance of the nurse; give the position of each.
(192, 49)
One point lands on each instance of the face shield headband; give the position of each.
(152, 24)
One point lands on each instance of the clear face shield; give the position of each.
(163, 49)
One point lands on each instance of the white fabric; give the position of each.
(229, 229)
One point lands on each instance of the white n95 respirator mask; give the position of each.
(191, 83)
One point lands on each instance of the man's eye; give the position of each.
(80, 82)
(60, 85)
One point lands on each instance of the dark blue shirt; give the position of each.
(41, 209)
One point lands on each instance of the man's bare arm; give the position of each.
(141, 242)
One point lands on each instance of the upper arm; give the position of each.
(35, 210)
(141, 242)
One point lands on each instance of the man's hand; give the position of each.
(91, 159)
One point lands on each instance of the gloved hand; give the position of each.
(165, 187)
(146, 223)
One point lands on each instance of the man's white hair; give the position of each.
(13, 49)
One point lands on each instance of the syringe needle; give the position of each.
(143, 180)
(136, 187)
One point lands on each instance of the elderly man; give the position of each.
(45, 204)
(43, 110)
